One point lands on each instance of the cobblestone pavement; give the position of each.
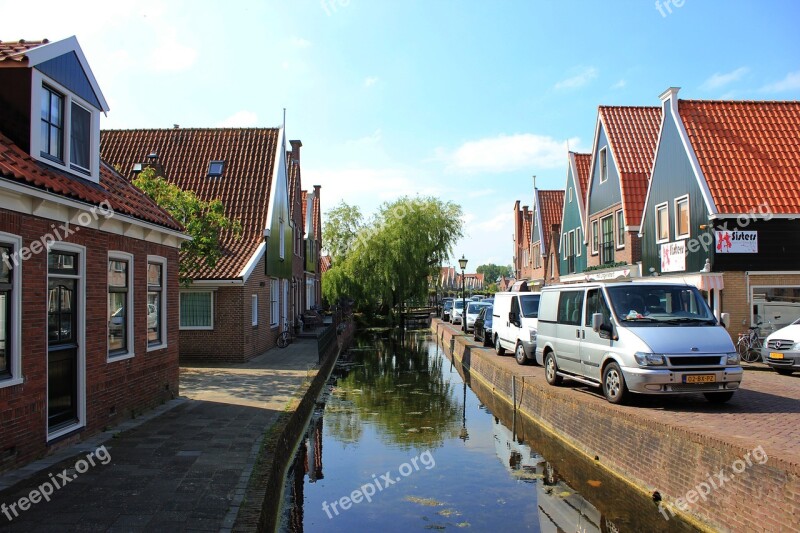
(185, 467)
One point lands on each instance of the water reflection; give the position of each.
(391, 400)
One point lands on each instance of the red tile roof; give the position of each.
(551, 206)
(526, 230)
(317, 217)
(748, 151)
(304, 200)
(632, 134)
(183, 158)
(583, 162)
(325, 263)
(17, 166)
(15, 51)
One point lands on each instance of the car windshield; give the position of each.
(475, 307)
(458, 304)
(663, 304)
(448, 304)
(530, 305)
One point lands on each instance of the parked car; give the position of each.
(781, 350)
(482, 330)
(515, 320)
(473, 308)
(645, 338)
(447, 306)
(476, 298)
(456, 311)
(488, 300)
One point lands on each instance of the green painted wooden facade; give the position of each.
(608, 193)
(571, 221)
(279, 252)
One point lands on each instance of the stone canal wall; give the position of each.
(703, 479)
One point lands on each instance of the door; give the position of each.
(568, 330)
(62, 341)
(594, 345)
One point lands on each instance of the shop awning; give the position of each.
(705, 281)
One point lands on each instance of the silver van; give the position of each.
(647, 338)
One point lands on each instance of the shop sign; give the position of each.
(673, 256)
(736, 242)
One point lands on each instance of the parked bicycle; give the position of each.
(285, 338)
(749, 345)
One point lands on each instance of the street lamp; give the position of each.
(463, 264)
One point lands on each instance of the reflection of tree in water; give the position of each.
(401, 389)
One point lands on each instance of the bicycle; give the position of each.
(749, 345)
(285, 338)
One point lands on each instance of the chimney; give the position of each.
(296, 150)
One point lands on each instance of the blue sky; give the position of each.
(463, 100)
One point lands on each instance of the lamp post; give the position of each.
(463, 264)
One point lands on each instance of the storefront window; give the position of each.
(774, 307)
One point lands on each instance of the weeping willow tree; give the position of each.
(390, 259)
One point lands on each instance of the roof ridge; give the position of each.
(255, 128)
(756, 102)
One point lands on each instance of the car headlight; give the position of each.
(732, 358)
(649, 359)
(533, 335)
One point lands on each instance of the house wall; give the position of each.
(114, 390)
(608, 193)
(571, 220)
(631, 253)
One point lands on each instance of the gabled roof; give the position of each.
(15, 50)
(583, 164)
(18, 167)
(325, 263)
(250, 156)
(632, 133)
(293, 169)
(526, 228)
(549, 208)
(748, 152)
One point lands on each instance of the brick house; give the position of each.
(572, 260)
(235, 310)
(622, 157)
(312, 225)
(545, 237)
(88, 261)
(523, 264)
(723, 207)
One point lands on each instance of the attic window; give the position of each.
(215, 169)
(137, 167)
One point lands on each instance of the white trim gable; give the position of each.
(252, 262)
(578, 192)
(309, 222)
(279, 185)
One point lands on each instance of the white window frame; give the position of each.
(282, 240)
(661, 207)
(595, 236)
(620, 228)
(570, 195)
(564, 245)
(114, 255)
(678, 201)
(157, 259)
(603, 164)
(38, 80)
(254, 310)
(275, 301)
(196, 328)
(577, 242)
(15, 351)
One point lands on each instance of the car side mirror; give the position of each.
(597, 322)
(725, 318)
(513, 318)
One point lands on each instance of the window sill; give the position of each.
(196, 328)
(119, 357)
(64, 431)
(11, 382)
(154, 347)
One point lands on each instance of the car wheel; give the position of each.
(784, 371)
(718, 397)
(550, 370)
(614, 387)
(519, 354)
(499, 350)
(475, 335)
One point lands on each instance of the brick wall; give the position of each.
(114, 390)
(735, 297)
(651, 455)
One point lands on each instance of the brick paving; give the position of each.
(183, 467)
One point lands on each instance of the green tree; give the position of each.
(391, 258)
(205, 222)
(340, 229)
(491, 272)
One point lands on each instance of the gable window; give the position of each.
(603, 165)
(80, 138)
(620, 229)
(120, 305)
(52, 141)
(215, 168)
(274, 308)
(662, 223)
(682, 217)
(156, 302)
(10, 311)
(570, 195)
(595, 237)
(196, 310)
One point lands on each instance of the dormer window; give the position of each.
(52, 124)
(215, 169)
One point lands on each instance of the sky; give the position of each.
(458, 99)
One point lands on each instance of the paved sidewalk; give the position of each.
(182, 467)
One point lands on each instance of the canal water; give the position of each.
(402, 440)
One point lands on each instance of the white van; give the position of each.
(514, 321)
(647, 338)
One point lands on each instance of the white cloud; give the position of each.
(498, 222)
(790, 83)
(620, 84)
(508, 153)
(581, 78)
(240, 119)
(299, 42)
(370, 81)
(718, 80)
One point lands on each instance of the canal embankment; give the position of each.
(731, 467)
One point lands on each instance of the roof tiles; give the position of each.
(583, 162)
(15, 50)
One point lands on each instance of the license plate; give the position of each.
(775, 355)
(701, 378)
